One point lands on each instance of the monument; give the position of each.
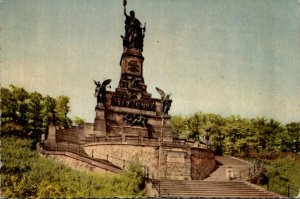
(131, 125)
(131, 109)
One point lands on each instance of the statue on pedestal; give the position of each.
(101, 90)
(52, 117)
(134, 33)
(165, 101)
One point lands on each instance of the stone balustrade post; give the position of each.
(123, 138)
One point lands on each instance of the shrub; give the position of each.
(24, 174)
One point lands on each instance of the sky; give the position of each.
(228, 57)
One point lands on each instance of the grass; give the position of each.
(283, 173)
(25, 174)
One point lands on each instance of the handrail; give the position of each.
(287, 188)
(139, 140)
(256, 167)
(41, 147)
(77, 149)
(250, 170)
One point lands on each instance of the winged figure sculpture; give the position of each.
(101, 90)
(165, 101)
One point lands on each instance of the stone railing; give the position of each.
(134, 139)
(75, 152)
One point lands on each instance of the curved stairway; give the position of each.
(240, 169)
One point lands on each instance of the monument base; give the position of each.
(135, 130)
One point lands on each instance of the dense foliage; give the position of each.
(24, 174)
(27, 114)
(238, 136)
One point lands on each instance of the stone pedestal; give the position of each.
(174, 163)
(135, 130)
(99, 123)
(51, 133)
(132, 62)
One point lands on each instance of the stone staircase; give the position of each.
(240, 169)
(199, 188)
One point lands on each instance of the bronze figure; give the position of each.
(134, 33)
(101, 90)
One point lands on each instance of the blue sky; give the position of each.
(215, 56)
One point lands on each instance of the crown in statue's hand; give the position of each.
(124, 2)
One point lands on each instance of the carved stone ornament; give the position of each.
(135, 120)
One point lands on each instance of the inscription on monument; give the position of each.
(133, 67)
(132, 103)
(176, 156)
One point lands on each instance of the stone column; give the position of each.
(100, 123)
(51, 133)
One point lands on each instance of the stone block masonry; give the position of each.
(161, 161)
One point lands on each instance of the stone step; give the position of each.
(208, 192)
(220, 195)
(199, 188)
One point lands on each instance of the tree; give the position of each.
(195, 125)
(26, 113)
(259, 125)
(36, 117)
(178, 125)
(14, 110)
(292, 138)
(62, 109)
(79, 121)
(273, 130)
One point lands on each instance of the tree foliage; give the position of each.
(78, 121)
(27, 114)
(24, 174)
(238, 136)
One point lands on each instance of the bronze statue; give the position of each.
(134, 33)
(52, 117)
(165, 101)
(101, 90)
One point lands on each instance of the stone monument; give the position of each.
(131, 109)
(131, 125)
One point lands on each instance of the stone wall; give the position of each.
(122, 154)
(175, 163)
(162, 162)
(74, 134)
(77, 162)
(202, 163)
